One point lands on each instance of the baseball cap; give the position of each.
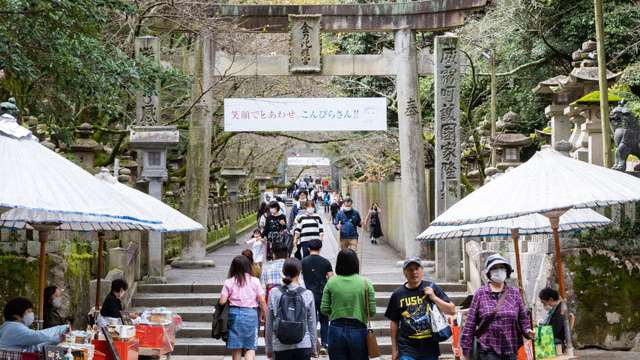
(411, 260)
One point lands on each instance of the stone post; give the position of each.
(593, 128)
(148, 106)
(411, 142)
(233, 175)
(560, 124)
(262, 186)
(447, 149)
(194, 243)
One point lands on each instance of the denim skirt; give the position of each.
(244, 328)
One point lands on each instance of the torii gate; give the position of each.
(405, 63)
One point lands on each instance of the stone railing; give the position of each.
(218, 215)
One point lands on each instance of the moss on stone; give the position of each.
(604, 284)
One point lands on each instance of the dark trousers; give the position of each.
(324, 321)
(491, 355)
(326, 208)
(305, 249)
(294, 354)
(348, 340)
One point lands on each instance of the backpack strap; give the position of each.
(481, 330)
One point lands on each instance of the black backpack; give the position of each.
(290, 324)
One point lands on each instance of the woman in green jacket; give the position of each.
(345, 302)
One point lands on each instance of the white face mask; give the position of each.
(121, 294)
(498, 275)
(347, 208)
(272, 210)
(28, 318)
(57, 303)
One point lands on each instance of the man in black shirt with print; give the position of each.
(408, 310)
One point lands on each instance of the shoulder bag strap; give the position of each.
(486, 324)
(366, 299)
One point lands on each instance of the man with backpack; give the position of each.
(347, 222)
(316, 270)
(272, 273)
(290, 329)
(409, 310)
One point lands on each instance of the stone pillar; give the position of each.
(447, 149)
(233, 175)
(155, 264)
(593, 128)
(148, 106)
(411, 142)
(262, 186)
(560, 124)
(577, 119)
(194, 243)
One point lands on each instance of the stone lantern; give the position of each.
(85, 148)
(153, 142)
(233, 175)
(262, 184)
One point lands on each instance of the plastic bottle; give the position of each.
(68, 355)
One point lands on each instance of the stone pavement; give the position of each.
(379, 261)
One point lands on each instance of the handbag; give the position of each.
(545, 346)
(372, 342)
(475, 347)
(439, 324)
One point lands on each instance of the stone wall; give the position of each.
(388, 194)
(71, 269)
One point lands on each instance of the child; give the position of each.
(257, 246)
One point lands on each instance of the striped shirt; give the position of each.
(309, 226)
(504, 334)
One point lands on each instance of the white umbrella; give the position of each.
(42, 190)
(172, 219)
(572, 220)
(550, 184)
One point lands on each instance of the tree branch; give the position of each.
(523, 66)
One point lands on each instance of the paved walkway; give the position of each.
(379, 261)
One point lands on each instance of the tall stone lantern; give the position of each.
(233, 175)
(153, 142)
(262, 184)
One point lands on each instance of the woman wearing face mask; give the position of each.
(15, 333)
(112, 305)
(52, 302)
(500, 335)
(275, 223)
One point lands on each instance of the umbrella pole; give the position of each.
(44, 237)
(515, 233)
(100, 246)
(555, 222)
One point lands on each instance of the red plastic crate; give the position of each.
(128, 350)
(161, 337)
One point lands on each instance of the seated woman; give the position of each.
(52, 302)
(550, 299)
(15, 333)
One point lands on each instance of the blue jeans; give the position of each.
(323, 319)
(305, 249)
(348, 340)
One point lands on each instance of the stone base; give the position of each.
(154, 280)
(192, 264)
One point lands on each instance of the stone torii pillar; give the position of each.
(412, 170)
(262, 185)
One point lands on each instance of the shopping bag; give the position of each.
(439, 324)
(526, 351)
(545, 346)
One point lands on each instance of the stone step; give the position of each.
(204, 313)
(151, 300)
(264, 357)
(203, 329)
(209, 346)
(193, 288)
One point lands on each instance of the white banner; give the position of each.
(308, 161)
(313, 114)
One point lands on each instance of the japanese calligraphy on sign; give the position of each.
(147, 106)
(301, 114)
(53, 352)
(304, 32)
(447, 101)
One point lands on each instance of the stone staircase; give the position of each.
(194, 303)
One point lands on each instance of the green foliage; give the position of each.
(18, 277)
(58, 64)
